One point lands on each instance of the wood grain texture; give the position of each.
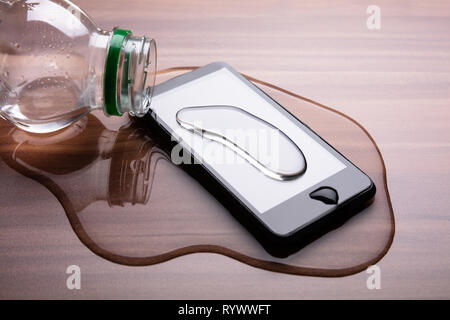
(394, 81)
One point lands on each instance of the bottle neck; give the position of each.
(127, 73)
(138, 75)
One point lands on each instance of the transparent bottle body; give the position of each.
(52, 64)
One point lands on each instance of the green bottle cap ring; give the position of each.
(111, 67)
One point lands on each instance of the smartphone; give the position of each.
(325, 191)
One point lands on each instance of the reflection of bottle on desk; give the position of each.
(87, 163)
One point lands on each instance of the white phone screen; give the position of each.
(222, 87)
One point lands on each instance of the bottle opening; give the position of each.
(130, 74)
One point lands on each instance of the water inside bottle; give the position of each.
(251, 138)
(38, 106)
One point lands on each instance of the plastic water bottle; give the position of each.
(56, 66)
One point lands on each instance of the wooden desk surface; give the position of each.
(395, 81)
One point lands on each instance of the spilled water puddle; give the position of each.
(129, 204)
